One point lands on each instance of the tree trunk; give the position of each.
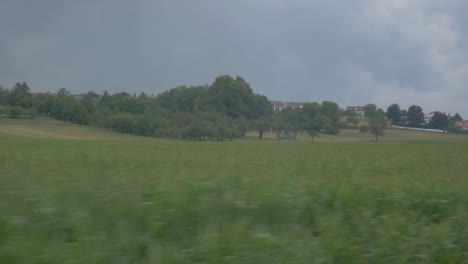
(260, 135)
(376, 138)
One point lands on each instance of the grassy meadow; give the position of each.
(71, 194)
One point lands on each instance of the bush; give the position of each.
(363, 129)
(14, 111)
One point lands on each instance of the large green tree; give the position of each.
(370, 110)
(394, 113)
(330, 110)
(233, 97)
(440, 121)
(311, 109)
(415, 115)
(20, 95)
(321, 123)
(260, 107)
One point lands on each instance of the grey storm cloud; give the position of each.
(351, 52)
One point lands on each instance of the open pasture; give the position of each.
(100, 197)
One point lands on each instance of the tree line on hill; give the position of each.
(415, 117)
(226, 109)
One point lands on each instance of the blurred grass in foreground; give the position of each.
(159, 201)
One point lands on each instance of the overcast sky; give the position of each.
(352, 52)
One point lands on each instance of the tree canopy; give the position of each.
(415, 115)
(225, 109)
(394, 113)
(370, 110)
(440, 121)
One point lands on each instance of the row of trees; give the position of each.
(312, 118)
(415, 117)
(226, 109)
(19, 102)
(411, 117)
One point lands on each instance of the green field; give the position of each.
(71, 194)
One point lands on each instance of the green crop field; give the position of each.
(71, 194)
